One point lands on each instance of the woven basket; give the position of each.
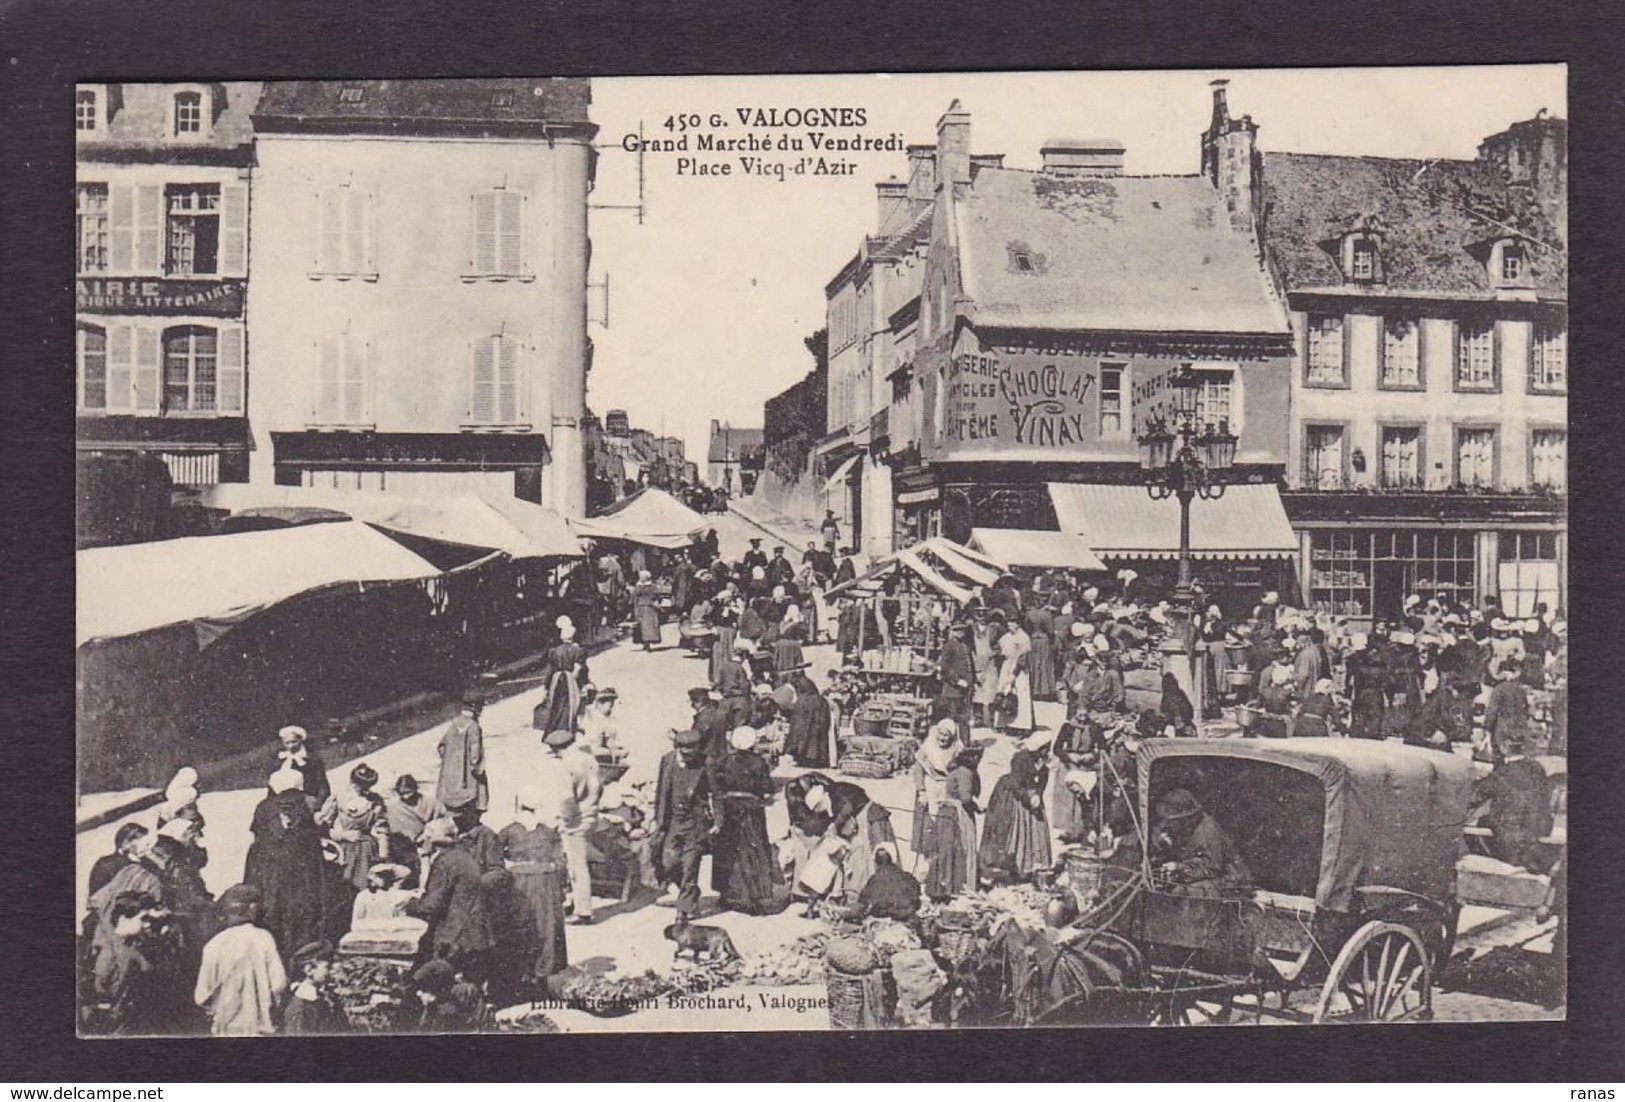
(855, 766)
(957, 946)
(848, 1005)
(851, 956)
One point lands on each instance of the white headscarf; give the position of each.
(286, 780)
(742, 738)
(567, 632)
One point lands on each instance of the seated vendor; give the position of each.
(1191, 849)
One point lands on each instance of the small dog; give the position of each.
(710, 943)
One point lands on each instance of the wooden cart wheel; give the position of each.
(1382, 974)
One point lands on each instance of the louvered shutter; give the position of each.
(482, 401)
(330, 216)
(120, 365)
(507, 381)
(149, 229)
(121, 228)
(230, 376)
(510, 231)
(234, 230)
(148, 358)
(485, 233)
(355, 230)
(355, 380)
(327, 382)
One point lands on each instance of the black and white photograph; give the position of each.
(921, 551)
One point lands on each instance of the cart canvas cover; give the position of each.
(1394, 814)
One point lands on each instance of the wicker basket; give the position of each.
(957, 946)
(852, 1000)
(1083, 876)
(853, 765)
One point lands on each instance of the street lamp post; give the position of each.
(1184, 458)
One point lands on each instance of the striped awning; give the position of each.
(1123, 522)
(1025, 547)
(946, 566)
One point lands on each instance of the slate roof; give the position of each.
(502, 102)
(1436, 219)
(1113, 253)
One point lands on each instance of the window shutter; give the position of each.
(355, 230)
(229, 373)
(510, 231)
(355, 380)
(148, 355)
(327, 382)
(507, 380)
(121, 228)
(481, 409)
(149, 229)
(370, 254)
(234, 230)
(120, 365)
(485, 233)
(330, 248)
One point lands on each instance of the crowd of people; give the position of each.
(160, 954)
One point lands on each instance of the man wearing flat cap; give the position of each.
(1192, 850)
(683, 821)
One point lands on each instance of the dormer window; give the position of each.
(1512, 262)
(1024, 263)
(1362, 257)
(86, 110)
(1363, 268)
(188, 114)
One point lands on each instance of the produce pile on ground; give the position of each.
(375, 994)
(1505, 972)
(1022, 903)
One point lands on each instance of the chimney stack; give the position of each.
(979, 161)
(891, 198)
(1534, 154)
(1082, 157)
(1231, 163)
(953, 145)
(922, 173)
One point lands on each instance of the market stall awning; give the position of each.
(947, 567)
(518, 528)
(651, 517)
(841, 472)
(222, 580)
(1123, 522)
(1026, 547)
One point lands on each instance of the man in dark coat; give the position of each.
(848, 570)
(1190, 847)
(733, 684)
(807, 741)
(711, 722)
(462, 760)
(957, 675)
(453, 902)
(108, 865)
(683, 820)
(780, 570)
(754, 557)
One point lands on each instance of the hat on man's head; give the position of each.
(1178, 804)
(686, 739)
(756, 541)
(306, 955)
(699, 693)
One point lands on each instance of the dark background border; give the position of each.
(49, 44)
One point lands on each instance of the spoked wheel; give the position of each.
(1382, 975)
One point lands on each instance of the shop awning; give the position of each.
(216, 581)
(651, 517)
(947, 567)
(518, 528)
(841, 472)
(1123, 522)
(1026, 547)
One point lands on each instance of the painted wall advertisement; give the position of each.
(1055, 400)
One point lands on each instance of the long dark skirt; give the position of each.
(1015, 837)
(742, 858)
(648, 624)
(949, 847)
(538, 920)
(1041, 667)
(1367, 720)
(293, 881)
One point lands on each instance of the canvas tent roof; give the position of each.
(651, 517)
(140, 587)
(948, 567)
(517, 528)
(1028, 547)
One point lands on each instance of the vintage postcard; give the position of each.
(841, 552)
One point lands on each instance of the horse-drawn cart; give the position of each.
(1352, 848)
